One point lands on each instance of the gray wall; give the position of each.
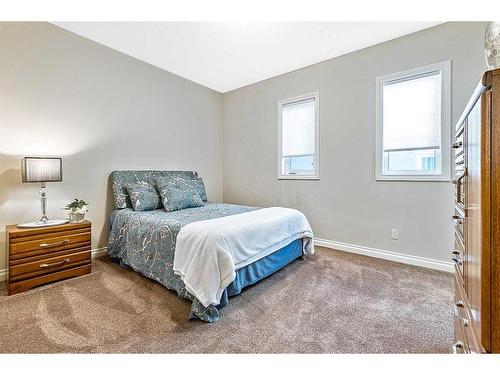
(347, 204)
(61, 94)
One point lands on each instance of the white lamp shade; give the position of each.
(36, 169)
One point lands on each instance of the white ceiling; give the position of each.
(226, 56)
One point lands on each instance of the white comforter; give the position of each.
(208, 253)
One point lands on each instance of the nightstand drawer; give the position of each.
(49, 265)
(48, 245)
(21, 286)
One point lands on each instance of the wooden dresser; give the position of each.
(38, 256)
(476, 251)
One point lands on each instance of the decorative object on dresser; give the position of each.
(476, 251)
(76, 210)
(43, 170)
(38, 256)
(492, 45)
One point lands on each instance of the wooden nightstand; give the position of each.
(38, 256)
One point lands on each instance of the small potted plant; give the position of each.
(76, 210)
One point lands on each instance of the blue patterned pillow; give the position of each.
(143, 197)
(192, 182)
(175, 197)
(199, 186)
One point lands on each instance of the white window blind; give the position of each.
(412, 113)
(298, 128)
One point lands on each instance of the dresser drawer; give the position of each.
(21, 286)
(48, 245)
(458, 254)
(460, 195)
(49, 265)
(461, 304)
(461, 344)
(460, 183)
(460, 317)
(459, 220)
(465, 333)
(460, 162)
(458, 145)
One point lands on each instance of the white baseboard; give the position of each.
(385, 254)
(95, 253)
(3, 275)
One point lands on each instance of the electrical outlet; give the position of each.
(394, 234)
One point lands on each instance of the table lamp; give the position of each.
(42, 170)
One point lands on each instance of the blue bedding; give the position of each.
(145, 242)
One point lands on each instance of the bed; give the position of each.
(145, 241)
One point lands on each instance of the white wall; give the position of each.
(64, 95)
(347, 205)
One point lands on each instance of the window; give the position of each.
(298, 148)
(413, 124)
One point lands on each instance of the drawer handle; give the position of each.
(460, 305)
(458, 219)
(457, 345)
(54, 244)
(456, 252)
(48, 265)
(457, 260)
(457, 144)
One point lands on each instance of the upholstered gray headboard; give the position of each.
(121, 178)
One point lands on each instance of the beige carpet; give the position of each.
(333, 302)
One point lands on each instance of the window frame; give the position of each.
(313, 95)
(445, 68)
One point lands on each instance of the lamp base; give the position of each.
(40, 223)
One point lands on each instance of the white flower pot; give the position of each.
(76, 217)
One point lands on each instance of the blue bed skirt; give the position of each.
(260, 269)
